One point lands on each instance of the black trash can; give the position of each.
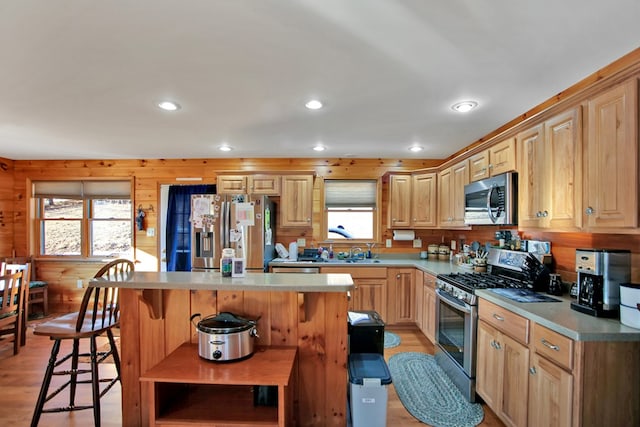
(366, 332)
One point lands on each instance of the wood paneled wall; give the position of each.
(7, 219)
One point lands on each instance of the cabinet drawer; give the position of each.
(553, 346)
(517, 327)
(358, 272)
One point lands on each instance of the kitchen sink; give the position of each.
(352, 261)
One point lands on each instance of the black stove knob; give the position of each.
(217, 354)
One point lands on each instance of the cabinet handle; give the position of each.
(490, 166)
(589, 211)
(545, 214)
(498, 318)
(532, 370)
(538, 214)
(549, 345)
(498, 346)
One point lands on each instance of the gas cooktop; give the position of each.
(471, 281)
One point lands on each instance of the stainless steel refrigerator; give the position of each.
(241, 222)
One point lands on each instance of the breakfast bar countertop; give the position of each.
(297, 282)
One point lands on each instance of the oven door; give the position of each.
(456, 324)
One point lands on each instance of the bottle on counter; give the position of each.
(226, 261)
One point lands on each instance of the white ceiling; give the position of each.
(79, 79)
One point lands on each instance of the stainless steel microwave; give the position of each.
(492, 201)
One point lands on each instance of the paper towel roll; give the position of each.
(404, 235)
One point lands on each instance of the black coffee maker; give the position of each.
(600, 272)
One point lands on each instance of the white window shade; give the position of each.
(349, 193)
(82, 189)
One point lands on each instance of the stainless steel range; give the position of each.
(456, 309)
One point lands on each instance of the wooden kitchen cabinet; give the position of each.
(412, 200)
(423, 200)
(418, 280)
(429, 307)
(550, 393)
(549, 165)
(296, 201)
(611, 159)
(249, 184)
(399, 201)
(370, 288)
(497, 159)
(502, 369)
(400, 296)
(451, 182)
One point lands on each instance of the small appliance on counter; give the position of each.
(600, 273)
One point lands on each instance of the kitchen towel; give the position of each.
(404, 235)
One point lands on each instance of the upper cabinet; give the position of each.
(296, 201)
(611, 159)
(412, 200)
(549, 159)
(497, 159)
(249, 184)
(399, 201)
(451, 182)
(423, 200)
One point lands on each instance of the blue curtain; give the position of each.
(178, 225)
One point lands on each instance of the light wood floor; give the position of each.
(21, 377)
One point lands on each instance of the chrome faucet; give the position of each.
(355, 252)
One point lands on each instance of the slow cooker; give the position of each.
(225, 337)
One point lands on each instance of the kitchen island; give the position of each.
(308, 312)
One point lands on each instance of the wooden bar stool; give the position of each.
(99, 313)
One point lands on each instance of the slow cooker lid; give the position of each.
(224, 323)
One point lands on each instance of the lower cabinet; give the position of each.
(429, 307)
(370, 288)
(400, 296)
(502, 374)
(550, 393)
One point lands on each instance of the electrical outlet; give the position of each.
(417, 243)
(388, 243)
(453, 245)
(79, 283)
(302, 243)
(151, 232)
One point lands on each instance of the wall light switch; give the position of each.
(79, 283)
(151, 232)
(417, 243)
(302, 243)
(388, 243)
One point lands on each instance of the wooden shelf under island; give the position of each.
(186, 389)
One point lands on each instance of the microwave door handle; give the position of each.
(489, 193)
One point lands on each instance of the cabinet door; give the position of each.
(563, 160)
(515, 381)
(399, 201)
(611, 175)
(423, 200)
(296, 201)
(264, 184)
(445, 207)
(479, 166)
(550, 394)
(502, 157)
(231, 184)
(531, 180)
(460, 174)
(488, 366)
(418, 281)
(429, 313)
(400, 296)
(370, 294)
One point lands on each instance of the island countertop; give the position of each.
(297, 282)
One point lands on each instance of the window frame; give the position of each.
(86, 222)
(376, 213)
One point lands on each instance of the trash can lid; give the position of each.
(362, 318)
(368, 365)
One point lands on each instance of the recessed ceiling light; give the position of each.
(169, 105)
(319, 147)
(225, 147)
(313, 104)
(464, 106)
(416, 148)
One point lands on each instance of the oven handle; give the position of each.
(449, 300)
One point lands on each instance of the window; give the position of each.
(350, 209)
(83, 218)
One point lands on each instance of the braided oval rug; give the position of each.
(428, 394)
(391, 340)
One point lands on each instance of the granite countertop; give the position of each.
(559, 317)
(296, 282)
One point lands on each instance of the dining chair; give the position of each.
(38, 294)
(99, 313)
(12, 291)
(14, 267)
